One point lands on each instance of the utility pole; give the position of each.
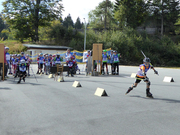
(84, 34)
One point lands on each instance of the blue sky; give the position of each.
(77, 8)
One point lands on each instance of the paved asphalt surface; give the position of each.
(48, 107)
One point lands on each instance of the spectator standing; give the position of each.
(7, 55)
(111, 61)
(116, 62)
(68, 55)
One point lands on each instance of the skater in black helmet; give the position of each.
(22, 71)
(141, 75)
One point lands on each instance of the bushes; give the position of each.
(14, 46)
(66, 36)
(162, 51)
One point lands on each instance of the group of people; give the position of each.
(17, 65)
(47, 61)
(113, 59)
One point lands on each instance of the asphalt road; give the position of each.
(48, 107)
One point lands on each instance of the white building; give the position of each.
(34, 50)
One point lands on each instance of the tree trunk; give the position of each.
(162, 20)
(36, 23)
(105, 21)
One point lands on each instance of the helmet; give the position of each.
(50, 54)
(22, 52)
(104, 50)
(74, 52)
(22, 61)
(57, 54)
(146, 60)
(41, 54)
(27, 55)
(54, 55)
(7, 48)
(19, 55)
(114, 51)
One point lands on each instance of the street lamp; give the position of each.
(85, 35)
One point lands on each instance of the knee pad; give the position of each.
(148, 83)
(134, 86)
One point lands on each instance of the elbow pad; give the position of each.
(151, 66)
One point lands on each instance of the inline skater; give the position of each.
(142, 75)
(111, 61)
(53, 62)
(10, 64)
(38, 64)
(68, 55)
(86, 58)
(28, 62)
(74, 59)
(116, 62)
(105, 58)
(47, 63)
(58, 59)
(17, 63)
(41, 62)
(22, 71)
(70, 63)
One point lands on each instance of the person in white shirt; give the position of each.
(68, 55)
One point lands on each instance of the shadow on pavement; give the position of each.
(120, 75)
(160, 99)
(4, 88)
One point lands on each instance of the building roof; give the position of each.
(33, 46)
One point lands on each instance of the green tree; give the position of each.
(3, 26)
(116, 5)
(166, 13)
(102, 16)
(68, 22)
(177, 26)
(28, 15)
(131, 13)
(78, 24)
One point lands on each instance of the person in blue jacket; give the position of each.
(111, 61)
(41, 62)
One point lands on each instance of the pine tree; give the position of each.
(131, 12)
(68, 22)
(167, 12)
(78, 24)
(116, 5)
